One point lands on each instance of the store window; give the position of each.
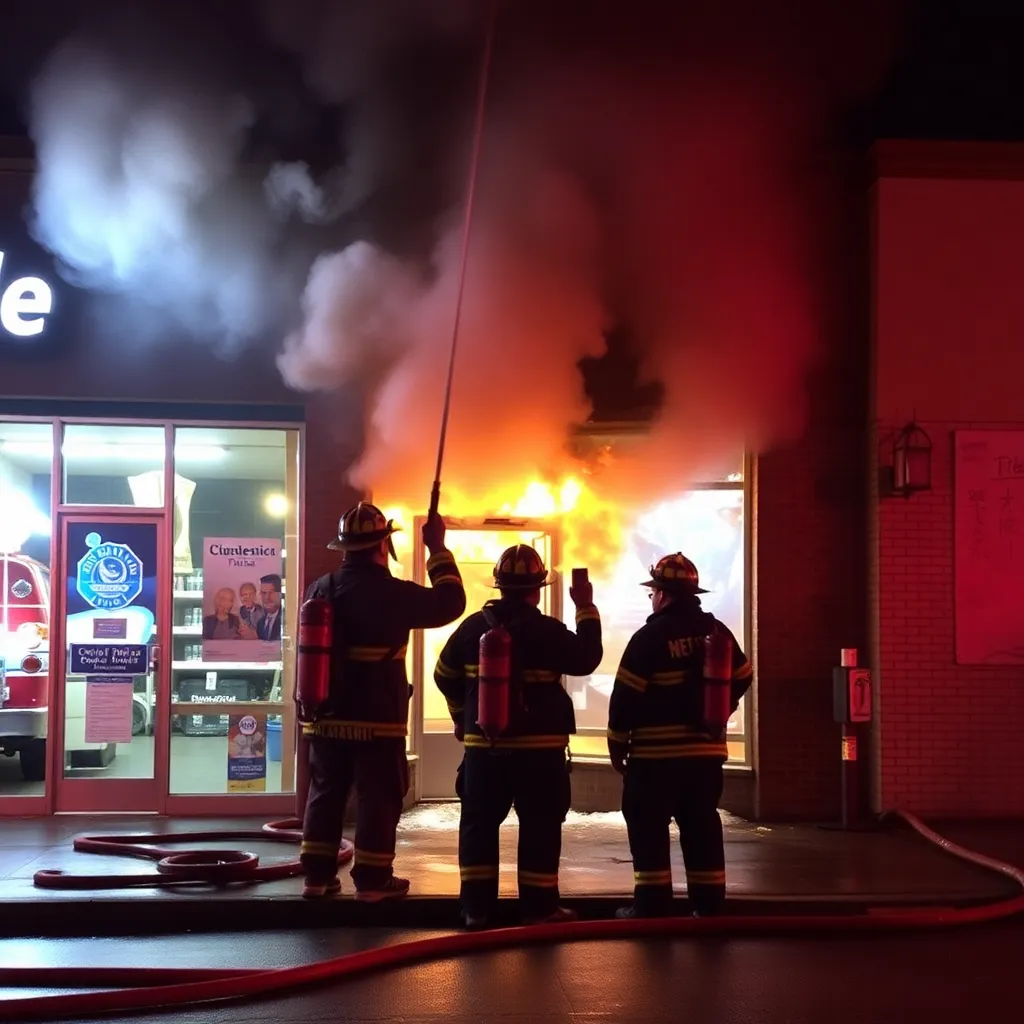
(236, 599)
(708, 525)
(115, 465)
(26, 459)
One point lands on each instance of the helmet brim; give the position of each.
(546, 582)
(674, 588)
(362, 542)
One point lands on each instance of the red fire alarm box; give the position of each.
(851, 694)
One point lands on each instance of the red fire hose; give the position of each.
(135, 989)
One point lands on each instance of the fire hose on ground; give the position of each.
(127, 989)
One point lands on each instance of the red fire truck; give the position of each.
(24, 661)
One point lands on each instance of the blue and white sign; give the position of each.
(109, 575)
(109, 659)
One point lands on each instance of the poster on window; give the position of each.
(242, 600)
(247, 754)
(110, 596)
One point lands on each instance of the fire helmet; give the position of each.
(676, 574)
(520, 568)
(361, 527)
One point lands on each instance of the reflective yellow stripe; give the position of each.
(448, 578)
(653, 877)
(627, 678)
(668, 678)
(518, 742)
(441, 558)
(310, 848)
(705, 877)
(538, 880)
(537, 675)
(478, 872)
(744, 671)
(453, 708)
(471, 671)
(587, 615)
(368, 858)
(661, 751)
(374, 653)
(618, 737)
(340, 729)
(442, 670)
(664, 732)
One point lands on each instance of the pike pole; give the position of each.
(474, 164)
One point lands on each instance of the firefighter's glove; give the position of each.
(583, 595)
(619, 754)
(433, 533)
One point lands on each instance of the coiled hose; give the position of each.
(134, 989)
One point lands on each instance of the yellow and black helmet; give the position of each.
(675, 573)
(520, 568)
(361, 527)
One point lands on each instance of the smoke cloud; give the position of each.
(647, 169)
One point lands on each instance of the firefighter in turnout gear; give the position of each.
(659, 741)
(358, 736)
(524, 765)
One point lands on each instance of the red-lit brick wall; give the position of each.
(949, 315)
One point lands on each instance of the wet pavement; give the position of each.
(766, 863)
(876, 979)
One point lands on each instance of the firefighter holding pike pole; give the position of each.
(501, 675)
(355, 629)
(681, 676)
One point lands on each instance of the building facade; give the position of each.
(224, 487)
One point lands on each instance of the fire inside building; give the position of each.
(887, 527)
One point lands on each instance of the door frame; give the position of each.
(421, 676)
(94, 795)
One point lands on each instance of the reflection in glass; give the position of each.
(26, 451)
(707, 526)
(248, 493)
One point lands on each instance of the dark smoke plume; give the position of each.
(649, 165)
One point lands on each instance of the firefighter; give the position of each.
(672, 767)
(359, 736)
(525, 767)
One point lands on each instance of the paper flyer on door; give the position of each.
(108, 709)
(242, 600)
(247, 754)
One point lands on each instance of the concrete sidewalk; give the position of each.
(770, 868)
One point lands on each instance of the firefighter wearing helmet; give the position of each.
(357, 735)
(501, 675)
(681, 675)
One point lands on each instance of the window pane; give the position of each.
(116, 465)
(236, 600)
(26, 451)
(708, 527)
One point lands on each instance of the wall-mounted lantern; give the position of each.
(911, 461)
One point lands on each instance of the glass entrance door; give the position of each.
(109, 726)
(476, 547)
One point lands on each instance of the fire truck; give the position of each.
(24, 661)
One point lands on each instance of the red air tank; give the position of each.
(494, 684)
(313, 668)
(717, 683)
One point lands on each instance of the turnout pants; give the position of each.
(688, 790)
(490, 784)
(380, 773)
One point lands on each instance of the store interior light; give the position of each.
(276, 505)
(105, 450)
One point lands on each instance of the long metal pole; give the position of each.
(474, 163)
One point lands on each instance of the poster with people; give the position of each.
(243, 606)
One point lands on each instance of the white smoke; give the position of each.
(137, 191)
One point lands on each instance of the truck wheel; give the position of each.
(33, 761)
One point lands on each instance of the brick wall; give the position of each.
(949, 734)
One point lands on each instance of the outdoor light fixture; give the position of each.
(911, 461)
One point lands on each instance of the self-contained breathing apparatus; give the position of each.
(717, 683)
(494, 679)
(313, 664)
